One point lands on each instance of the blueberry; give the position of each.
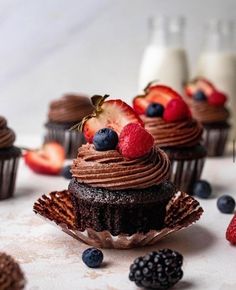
(92, 257)
(226, 204)
(155, 110)
(202, 189)
(105, 139)
(65, 172)
(199, 96)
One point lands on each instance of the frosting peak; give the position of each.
(109, 169)
(184, 133)
(7, 136)
(70, 108)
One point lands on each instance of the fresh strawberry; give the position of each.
(176, 110)
(217, 98)
(47, 160)
(114, 114)
(190, 89)
(231, 231)
(154, 94)
(134, 141)
(199, 84)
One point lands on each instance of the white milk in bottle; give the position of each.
(217, 62)
(165, 58)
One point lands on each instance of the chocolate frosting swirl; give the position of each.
(109, 169)
(70, 108)
(184, 133)
(7, 136)
(206, 113)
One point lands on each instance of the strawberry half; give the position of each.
(47, 160)
(113, 114)
(199, 84)
(154, 94)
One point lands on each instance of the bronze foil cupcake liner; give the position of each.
(56, 207)
(70, 140)
(215, 139)
(8, 172)
(185, 172)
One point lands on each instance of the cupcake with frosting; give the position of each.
(208, 107)
(167, 117)
(120, 177)
(63, 114)
(9, 159)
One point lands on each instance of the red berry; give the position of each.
(231, 231)
(176, 110)
(135, 141)
(217, 98)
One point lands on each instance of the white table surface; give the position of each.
(52, 260)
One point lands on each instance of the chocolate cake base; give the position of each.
(9, 159)
(127, 211)
(186, 166)
(70, 140)
(215, 137)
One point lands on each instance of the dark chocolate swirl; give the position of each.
(184, 133)
(7, 136)
(70, 108)
(109, 169)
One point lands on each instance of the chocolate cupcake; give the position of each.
(121, 186)
(9, 158)
(167, 117)
(63, 114)
(208, 107)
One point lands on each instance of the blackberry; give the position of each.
(157, 270)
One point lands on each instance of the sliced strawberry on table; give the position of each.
(114, 114)
(231, 231)
(47, 160)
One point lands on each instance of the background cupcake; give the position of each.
(167, 117)
(63, 114)
(208, 106)
(9, 158)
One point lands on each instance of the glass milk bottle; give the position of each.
(165, 58)
(217, 62)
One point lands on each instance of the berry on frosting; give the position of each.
(105, 139)
(231, 231)
(114, 114)
(159, 94)
(135, 141)
(217, 98)
(199, 96)
(176, 110)
(155, 110)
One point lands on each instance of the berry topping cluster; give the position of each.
(115, 126)
(201, 89)
(161, 101)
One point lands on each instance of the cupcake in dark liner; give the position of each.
(207, 105)
(168, 119)
(63, 114)
(9, 159)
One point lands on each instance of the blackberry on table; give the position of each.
(157, 270)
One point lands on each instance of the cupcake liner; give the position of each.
(181, 211)
(70, 140)
(214, 139)
(185, 172)
(8, 172)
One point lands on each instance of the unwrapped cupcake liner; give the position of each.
(70, 140)
(185, 172)
(181, 211)
(214, 139)
(8, 172)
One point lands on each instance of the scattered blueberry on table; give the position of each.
(157, 270)
(65, 172)
(92, 257)
(226, 204)
(202, 189)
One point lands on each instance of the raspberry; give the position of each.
(231, 231)
(217, 98)
(176, 110)
(134, 141)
